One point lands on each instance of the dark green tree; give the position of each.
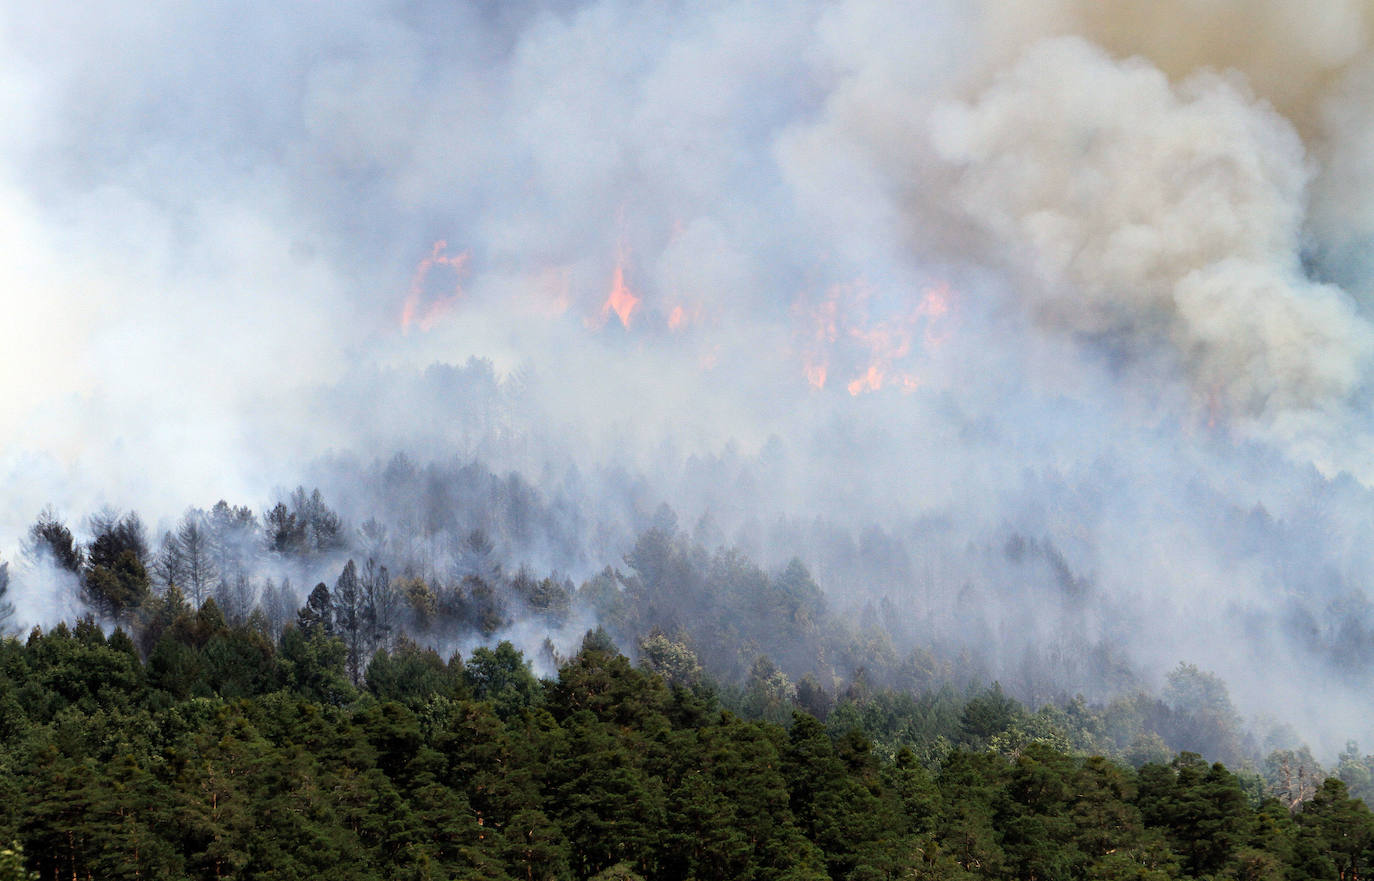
(381, 607)
(1342, 828)
(51, 542)
(349, 619)
(316, 617)
(1201, 808)
(502, 676)
(6, 607)
(116, 579)
(313, 666)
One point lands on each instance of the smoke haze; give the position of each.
(1048, 321)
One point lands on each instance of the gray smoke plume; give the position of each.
(1045, 321)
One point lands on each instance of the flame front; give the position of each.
(841, 323)
(622, 300)
(870, 381)
(424, 317)
(821, 335)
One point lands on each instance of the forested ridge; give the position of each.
(224, 756)
(201, 717)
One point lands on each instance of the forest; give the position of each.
(225, 755)
(203, 716)
(609, 439)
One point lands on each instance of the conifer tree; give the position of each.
(349, 618)
(316, 617)
(6, 606)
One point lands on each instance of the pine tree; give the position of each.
(349, 622)
(380, 607)
(316, 617)
(234, 539)
(116, 579)
(51, 542)
(6, 607)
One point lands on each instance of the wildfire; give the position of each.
(841, 321)
(822, 330)
(622, 300)
(677, 318)
(424, 317)
(870, 381)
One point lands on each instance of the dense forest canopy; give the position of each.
(950, 421)
(435, 572)
(219, 753)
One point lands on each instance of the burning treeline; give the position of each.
(844, 324)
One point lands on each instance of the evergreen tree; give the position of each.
(277, 604)
(234, 539)
(1342, 828)
(316, 617)
(350, 619)
(116, 580)
(51, 542)
(113, 591)
(285, 532)
(6, 607)
(501, 676)
(380, 607)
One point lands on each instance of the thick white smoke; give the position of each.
(937, 274)
(1161, 214)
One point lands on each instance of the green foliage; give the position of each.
(412, 675)
(113, 591)
(12, 865)
(503, 677)
(222, 754)
(314, 666)
(6, 607)
(51, 542)
(674, 661)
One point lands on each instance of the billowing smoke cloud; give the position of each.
(1148, 214)
(1047, 321)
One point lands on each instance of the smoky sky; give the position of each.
(1092, 273)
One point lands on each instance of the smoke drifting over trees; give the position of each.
(1037, 332)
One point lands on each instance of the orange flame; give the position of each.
(822, 330)
(870, 381)
(426, 317)
(677, 318)
(843, 315)
(622, 300)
